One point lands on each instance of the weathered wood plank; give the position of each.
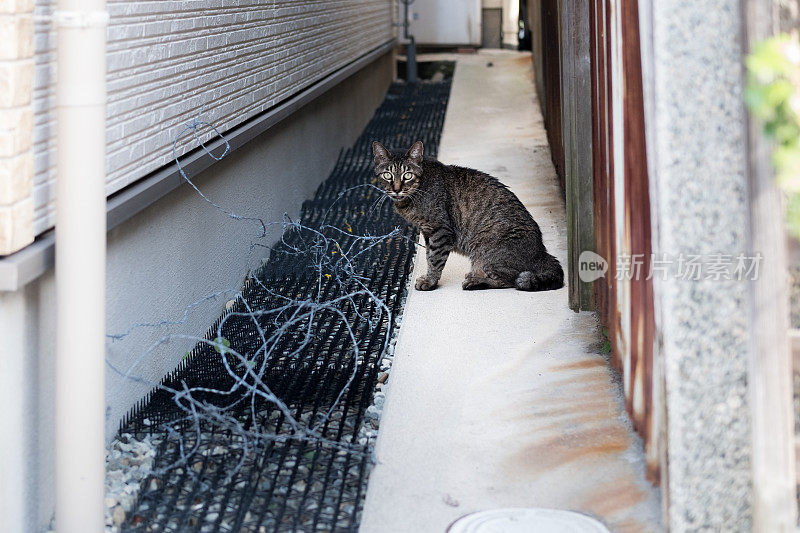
(770, 373)
(576, 131)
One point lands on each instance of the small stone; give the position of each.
(119, 515)
(449, 500)
(229, 304)
(110, 502)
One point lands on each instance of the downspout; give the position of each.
(411, 46)
(80, 265)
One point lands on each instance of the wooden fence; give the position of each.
(593, 104)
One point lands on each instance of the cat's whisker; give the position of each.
(376, 205)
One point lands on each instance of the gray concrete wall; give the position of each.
(174, 253)
(692, 70)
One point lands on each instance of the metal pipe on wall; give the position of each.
(80, 265)
(411, 46)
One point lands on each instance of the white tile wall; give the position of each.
(168, 58)
(16, 125)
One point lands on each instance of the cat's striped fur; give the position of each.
(469, 212)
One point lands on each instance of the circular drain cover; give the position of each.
(526, 521)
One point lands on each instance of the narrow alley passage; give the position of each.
(503, 398)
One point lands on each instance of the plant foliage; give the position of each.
(773, 96)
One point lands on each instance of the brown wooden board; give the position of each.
(637, 198)
(632, 350)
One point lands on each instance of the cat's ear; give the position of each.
(415, 152)
(380, 152)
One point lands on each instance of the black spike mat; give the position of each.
(209, 479)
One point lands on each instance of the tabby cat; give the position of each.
(469, 212)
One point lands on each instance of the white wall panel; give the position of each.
(168, 58)
(445, 22)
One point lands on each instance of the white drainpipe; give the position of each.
(80, 265)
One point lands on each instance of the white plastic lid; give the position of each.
(522, 520)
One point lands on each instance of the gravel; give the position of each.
(128, 463)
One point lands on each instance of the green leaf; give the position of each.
(772, 93)
(221, 341)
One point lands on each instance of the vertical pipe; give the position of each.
(411, 47)
(411, 61)
(80, 265)
(405, 18)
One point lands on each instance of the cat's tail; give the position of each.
(547, 275)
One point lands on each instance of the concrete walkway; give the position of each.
(501, 398)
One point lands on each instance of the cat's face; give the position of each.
(398, 176)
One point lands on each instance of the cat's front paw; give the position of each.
(425, 284)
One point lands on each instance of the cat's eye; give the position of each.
(408, 176)
(387, 176)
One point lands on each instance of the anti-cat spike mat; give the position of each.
(256, 471)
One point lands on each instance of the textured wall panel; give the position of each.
(16, 125)
(168, 58)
